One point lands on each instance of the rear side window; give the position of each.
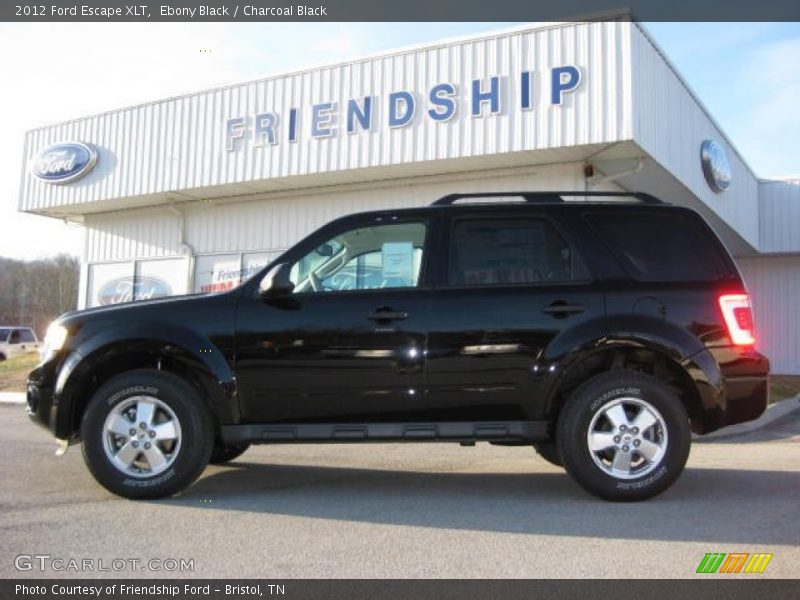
(661, 246)
(511, 252)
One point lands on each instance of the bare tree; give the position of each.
(33, 293)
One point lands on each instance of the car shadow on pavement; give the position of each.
(709, 505)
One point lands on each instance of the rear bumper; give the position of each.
(743, 391)
(746, 398)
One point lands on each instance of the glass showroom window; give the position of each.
(112, 283)
(222, 272)
(159, 278)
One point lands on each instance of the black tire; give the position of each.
(223, 454)
(601, 392)
(549, 452)
(187, 460)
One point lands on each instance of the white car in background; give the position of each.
(17, 340)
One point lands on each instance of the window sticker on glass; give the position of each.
(398, 261)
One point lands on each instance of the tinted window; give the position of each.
(26, 335)
(511, 252)
(366, 258)
(661, 246)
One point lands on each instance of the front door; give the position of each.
(348, 345)
(514, 293)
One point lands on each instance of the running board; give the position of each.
(466, 431)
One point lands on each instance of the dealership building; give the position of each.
(194, 193)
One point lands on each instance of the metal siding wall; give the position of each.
(670, 125)
(143, 233)
(178, 144)
(774, 282)
(278, 221)
(780, 216)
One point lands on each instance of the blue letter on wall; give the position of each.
(564, 79)
(479, 96)
(442, 98)
(322, 119)
(357, 113)
(264, 129)
(234, 130)
(395, 118)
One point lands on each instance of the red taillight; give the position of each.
(739, 318)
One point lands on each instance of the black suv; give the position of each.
(602, 332)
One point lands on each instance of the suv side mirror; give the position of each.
(277, 282)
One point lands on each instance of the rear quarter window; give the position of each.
(661, 246)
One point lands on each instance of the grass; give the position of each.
(783, 386)
(14, 371)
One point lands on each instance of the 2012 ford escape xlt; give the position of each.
(602, 332)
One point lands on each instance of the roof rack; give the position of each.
(545, 197)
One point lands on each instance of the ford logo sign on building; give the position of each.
(64, 162)
(716, 167)
(125, 289)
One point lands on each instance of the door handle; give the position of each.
(387, 315)
(559, 307)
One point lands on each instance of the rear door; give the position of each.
(515, 298)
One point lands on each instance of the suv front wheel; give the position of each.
(146, 434)
(624, 435)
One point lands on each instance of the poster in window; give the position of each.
(398, 261)
(217, 273)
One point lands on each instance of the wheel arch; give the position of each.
(96, 361)
(695, 379)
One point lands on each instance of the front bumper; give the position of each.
(40, 394)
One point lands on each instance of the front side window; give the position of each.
(26, 335)
(367, 258)
(510, 252)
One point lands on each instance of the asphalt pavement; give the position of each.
(397, 511)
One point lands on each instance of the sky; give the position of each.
(744, 73)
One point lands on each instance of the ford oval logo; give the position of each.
(64, 162)
(124, 289)
(716, 167)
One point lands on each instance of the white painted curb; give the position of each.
(773, 413)
(12, 397)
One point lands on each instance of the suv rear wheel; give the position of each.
(624, 435)
(146, 434)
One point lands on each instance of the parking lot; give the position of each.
(419, 510)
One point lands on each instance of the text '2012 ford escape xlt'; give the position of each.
(601, 332)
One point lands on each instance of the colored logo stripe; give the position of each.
(757, 563)
(711, 562)
(736, 562)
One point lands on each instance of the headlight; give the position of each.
(54, 340)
